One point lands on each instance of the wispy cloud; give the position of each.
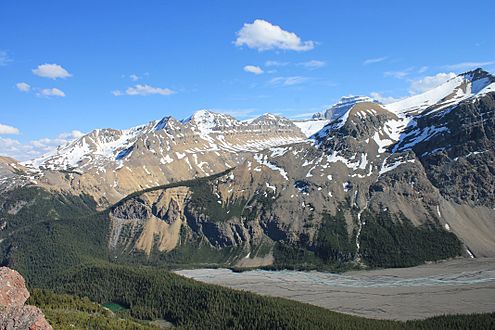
(276, 63)
(429, 82)
(423, 69)
(4, 58)
(417, 86)
(35, 148)
(40, 92)
(143, 90)
(399, 74)
(313, 64)
(47, 92)
(7, 129)
(468, 65)
(374, 60)
(384, 99)
(263, 35)
(253, 69)
(52, 71)
(288, 81)
(23, 87)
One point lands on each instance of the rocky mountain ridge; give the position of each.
(378, 185)
(109, 164)
(367, 165)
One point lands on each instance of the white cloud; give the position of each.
(23, 87)
(144, 90)
(116, 93)
(276, 63)
(74, 134)
(429, 82)
(313, 64)
(400, 74)
(374, 60)
(468, 65)
(134, 77)
(52, 71)
(253, 69)
(6, 129)
(263, 35)
(49, 144)
(423, 69)
(35, 148)
(288, 81)
(417, 86)
(4, 58)
(51, 92)
(384, 99)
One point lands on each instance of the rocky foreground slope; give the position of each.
(378, 185)
(14, 315)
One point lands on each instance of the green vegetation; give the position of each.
(455, 322)
(389, 243)
(203, 200)
(333, 243)
(59, 243)
(333, 250)
(293, 256)
(51, 233)
(154, 294)
(65, 311)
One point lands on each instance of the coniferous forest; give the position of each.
(58, 243)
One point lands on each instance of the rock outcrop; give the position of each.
(13, 313)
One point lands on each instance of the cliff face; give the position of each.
(13, 313)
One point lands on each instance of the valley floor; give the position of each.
(451, 287)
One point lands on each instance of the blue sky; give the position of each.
(72, 66)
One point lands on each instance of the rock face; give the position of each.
(12, 174)
(13, 313)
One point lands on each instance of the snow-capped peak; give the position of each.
(344, 105)
(206, 120)
(454, 90)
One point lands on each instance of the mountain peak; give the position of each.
(271, 119)
(477, 74)
(344, 105)
(206, 119)
(465, 85)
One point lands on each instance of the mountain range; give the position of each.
(362, 183)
